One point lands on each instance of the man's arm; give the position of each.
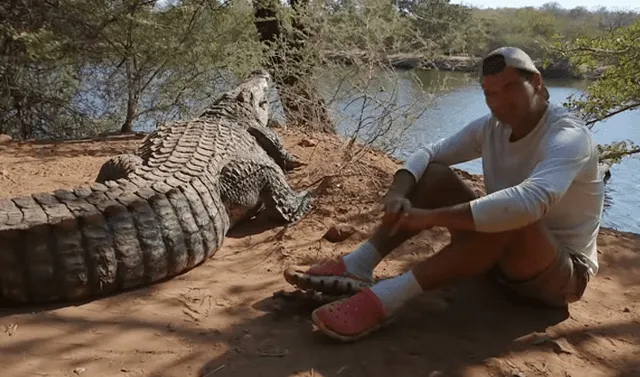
(465, 145)
(565, 154)
(458, 217)
(403, 182)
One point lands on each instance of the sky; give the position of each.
(567, 4)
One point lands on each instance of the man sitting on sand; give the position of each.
(534, 232)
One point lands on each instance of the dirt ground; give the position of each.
(220, 319)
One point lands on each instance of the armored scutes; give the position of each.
(152, 215)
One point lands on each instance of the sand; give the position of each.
(220, 319)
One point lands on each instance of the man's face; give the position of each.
(509, 96)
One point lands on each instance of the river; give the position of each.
(460, 100)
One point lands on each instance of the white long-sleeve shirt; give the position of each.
(550, 175)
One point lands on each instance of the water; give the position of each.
(451, 109)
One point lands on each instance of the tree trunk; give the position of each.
(132, 106)
(303, 105)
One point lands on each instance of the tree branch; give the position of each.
(621, 110)
(616, 155)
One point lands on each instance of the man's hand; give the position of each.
(393, 206)
(413, 220)
(458, 217)
(395, 202)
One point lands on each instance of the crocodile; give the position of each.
(154, 214)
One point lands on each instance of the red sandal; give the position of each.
(352, 318)
(330, 277)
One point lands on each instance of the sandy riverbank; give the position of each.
(220, 320)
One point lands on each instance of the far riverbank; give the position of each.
(467, 64)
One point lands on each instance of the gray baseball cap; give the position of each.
(513, 57)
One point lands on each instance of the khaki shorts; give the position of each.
(562, 283)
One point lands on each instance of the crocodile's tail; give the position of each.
(96, 240)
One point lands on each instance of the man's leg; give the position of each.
(525, 257)
(438, 187)
(521, 255)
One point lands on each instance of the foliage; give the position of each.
(373, 26)
(615, 53)
(438, 21)
(73, 68)
(39, 74)
(156, 65)
(534, 28)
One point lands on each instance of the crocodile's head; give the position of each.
(247, 100)
(254, 94)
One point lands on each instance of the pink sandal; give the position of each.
(352, 318)
(330, 277)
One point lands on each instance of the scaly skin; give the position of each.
(117, 167)
(151, 216)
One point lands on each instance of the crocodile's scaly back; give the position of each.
(155, 215)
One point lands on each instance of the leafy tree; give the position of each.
(615, 54)
(155, 64)
(39, 72)
(72, 68)
(439, 21)
(292, 60)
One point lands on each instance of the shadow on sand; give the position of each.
(450, 331)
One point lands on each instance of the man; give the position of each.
(534, 232)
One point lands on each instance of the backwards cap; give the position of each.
(510, 57)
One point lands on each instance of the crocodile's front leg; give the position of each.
(270, 142)
(248, 184)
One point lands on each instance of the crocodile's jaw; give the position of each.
(250, 99)
(259, 96)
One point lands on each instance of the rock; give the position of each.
(339, 232)
(540, 338)
(561, 345)
(308, 143)
(79, 370)
(626, 310)
(5, 139)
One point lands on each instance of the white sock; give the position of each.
(363, 260)
(395, 292)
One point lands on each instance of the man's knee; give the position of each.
(514, 239)
(436, 172)
(529, 233)
(441, 186)
(532, 243)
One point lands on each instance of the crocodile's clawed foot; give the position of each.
(305, 205)
(293, 165)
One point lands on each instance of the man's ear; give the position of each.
(536, 81)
